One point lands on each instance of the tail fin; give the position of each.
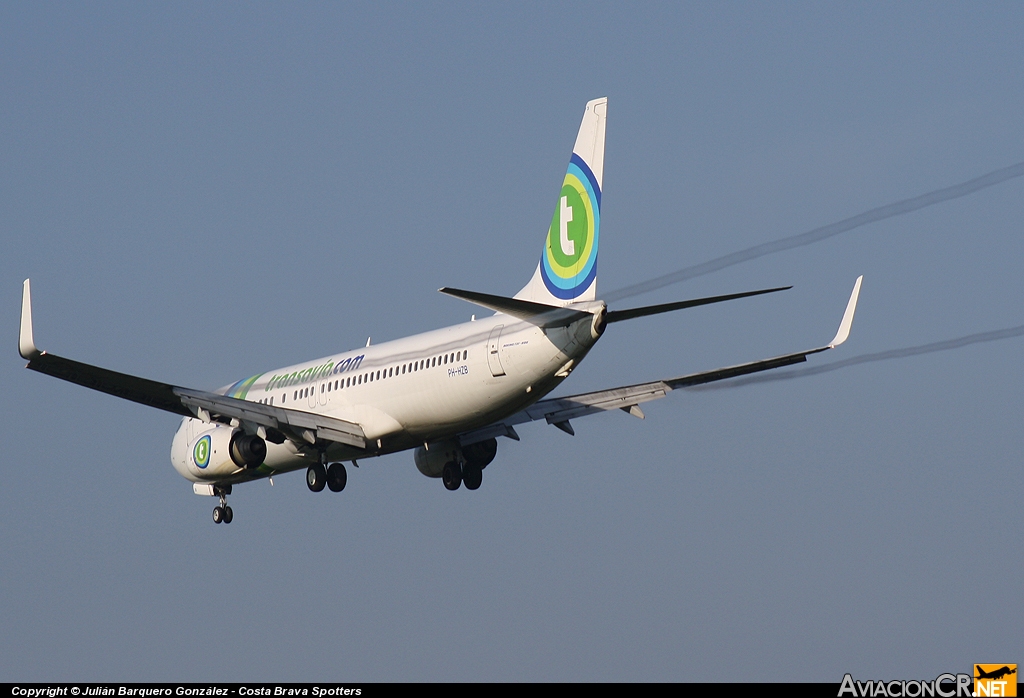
(568, 265)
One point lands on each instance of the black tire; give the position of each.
(218, 515)
(228, 515)
(337, 476)
(472, 476)
(451, 476)
(316, 478)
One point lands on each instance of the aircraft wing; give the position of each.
(558, 411)
(295, 425)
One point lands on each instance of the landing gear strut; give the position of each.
(223, 513)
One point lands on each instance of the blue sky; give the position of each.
(203, 192)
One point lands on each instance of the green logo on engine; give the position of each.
(201, 452)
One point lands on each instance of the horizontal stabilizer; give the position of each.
(631, 313)
(628, 397)
(535, 313)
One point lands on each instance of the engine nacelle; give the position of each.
(221, 451)
(431, 462)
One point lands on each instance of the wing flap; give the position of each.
(291, 422)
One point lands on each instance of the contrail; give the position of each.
(867, 358)
(824, 232)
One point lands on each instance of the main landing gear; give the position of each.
(455, 475)
(223, 513)
(334, 477)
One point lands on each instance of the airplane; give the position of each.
(448, 394)
(995, 674)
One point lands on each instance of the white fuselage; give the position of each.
(404, 393)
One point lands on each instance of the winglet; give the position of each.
(851, 308)
(27, 347)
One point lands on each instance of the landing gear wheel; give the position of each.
(316, 477)
(336, 477)
(228, 515)
(218, 514)
(472, 476)
(452, 475)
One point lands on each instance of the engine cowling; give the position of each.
(431, 462)
(221, 451)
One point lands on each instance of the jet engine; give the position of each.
(222, 450)
(431, 462)
(248, 450)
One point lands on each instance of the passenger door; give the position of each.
(493, 349)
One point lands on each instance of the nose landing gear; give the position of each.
(223, 513)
